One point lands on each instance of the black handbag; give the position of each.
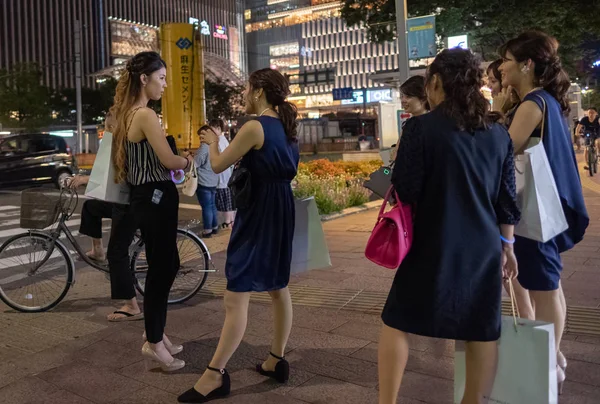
(380, 181)
(240, 185)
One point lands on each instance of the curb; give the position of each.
(352, 211)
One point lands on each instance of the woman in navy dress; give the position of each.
(532, 66)
(259, 255)
(455, 167)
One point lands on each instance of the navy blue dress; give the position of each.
(260, 248)
(540, 264)
(462, 186)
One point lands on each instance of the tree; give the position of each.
(23, 99)
(95, 103)
(490, 23)
(223, 101)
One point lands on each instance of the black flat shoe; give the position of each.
(281, 372)
(193, 396)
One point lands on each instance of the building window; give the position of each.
(248, 14)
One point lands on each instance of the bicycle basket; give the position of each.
(40, 207)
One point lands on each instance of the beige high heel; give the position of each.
(173, 365)
(172, 348)
(561, 360)
(561, 377)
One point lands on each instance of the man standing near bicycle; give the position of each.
(589, 128)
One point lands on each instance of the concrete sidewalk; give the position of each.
(73, 356)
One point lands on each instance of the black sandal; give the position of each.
(193, 396)
(281, 372)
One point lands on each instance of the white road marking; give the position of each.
(189, 206)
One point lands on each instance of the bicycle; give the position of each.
(592, 154)
(40, 286)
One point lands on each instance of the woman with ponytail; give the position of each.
(260, 249)
(143, 158)
(531, 65)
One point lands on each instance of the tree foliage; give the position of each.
(24, 101)
(490, 23)
(223, 100)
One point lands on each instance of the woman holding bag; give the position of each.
(455, 167)
(259, 254)
(143, 158)
(532, 66)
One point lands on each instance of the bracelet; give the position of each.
(507, 241)
(187, 163)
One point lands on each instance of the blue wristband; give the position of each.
(506, 240)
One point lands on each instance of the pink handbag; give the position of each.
(392, 236)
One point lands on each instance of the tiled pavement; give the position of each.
(73, 356)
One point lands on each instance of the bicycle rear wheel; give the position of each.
(193, 269)
(591, 161)
(34, 278)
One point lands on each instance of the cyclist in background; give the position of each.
(589, 125)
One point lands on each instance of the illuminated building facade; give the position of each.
(42, 31)
(304, 36)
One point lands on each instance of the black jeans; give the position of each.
(156, 208)
(121, 235)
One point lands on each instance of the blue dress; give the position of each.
(540, 264)
(260, 249)
(462, 186)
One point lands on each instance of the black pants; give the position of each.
(156, 208)
(121, 235)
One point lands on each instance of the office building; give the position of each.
(309, 40)
(42, 31)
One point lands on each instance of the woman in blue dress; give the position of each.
(260, 249)
(455, 167)
(532, 66)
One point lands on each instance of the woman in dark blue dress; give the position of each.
(532, 66)
(455, 167)
(260, 249)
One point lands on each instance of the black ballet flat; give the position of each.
(281, 372)
(193, 396)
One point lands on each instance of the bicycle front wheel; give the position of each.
(36, 272)
(193, 267)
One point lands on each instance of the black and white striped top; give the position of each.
(143, 165)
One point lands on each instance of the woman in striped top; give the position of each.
(144, 159)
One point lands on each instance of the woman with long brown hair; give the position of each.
(259, 254)
(455, 167)
(143, 158)
(532, 66)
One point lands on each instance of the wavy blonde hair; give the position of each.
(127, 92)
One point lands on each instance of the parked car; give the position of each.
(27, 159)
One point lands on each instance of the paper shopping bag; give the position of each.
(542, 215)
(309, 248)
(526, 372)
(101, 184)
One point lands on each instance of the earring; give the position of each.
(525, 69)
(255, 98)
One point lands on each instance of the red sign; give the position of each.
(220, 32)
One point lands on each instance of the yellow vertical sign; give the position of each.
(181, 116)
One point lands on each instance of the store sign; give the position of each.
(459, 41)
(220, 32)
(306, 51)
(384, 95)
(204, 28)
(193, 21)
(357, 98)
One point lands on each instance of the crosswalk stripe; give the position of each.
(9, 207)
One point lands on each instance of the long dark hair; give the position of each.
(462, 78)
(127, 91)
(542, 49)
(415, 87)
(277, 88)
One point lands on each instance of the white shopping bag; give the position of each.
(102, 178)
(542, 215)
(526, 372)
(309, 249)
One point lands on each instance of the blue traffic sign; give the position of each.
(346, 93)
